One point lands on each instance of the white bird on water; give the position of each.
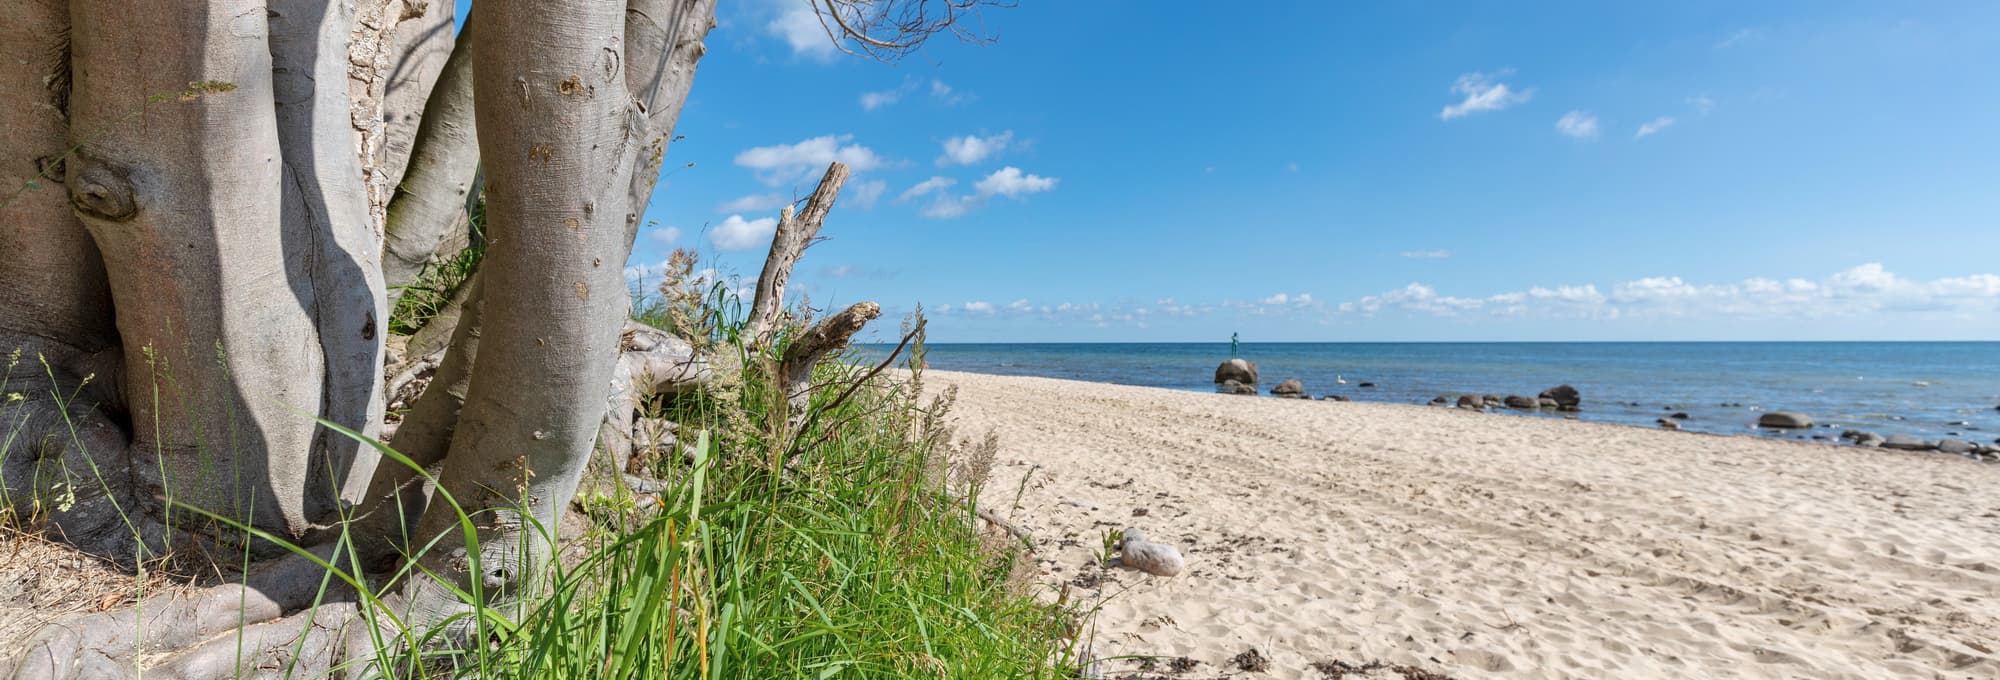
(1337, 380)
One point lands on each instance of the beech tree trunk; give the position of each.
(216, 201)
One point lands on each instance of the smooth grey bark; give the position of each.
(555, 122)
(327, 216)
(664, 42)
(205, 279)
(430, 203)
(422, 42)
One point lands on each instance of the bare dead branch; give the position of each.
(795, 232)
(887, 30)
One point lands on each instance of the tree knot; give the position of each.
(102, 189)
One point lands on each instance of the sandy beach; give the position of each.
(1484, 545)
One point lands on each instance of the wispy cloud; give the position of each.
(665, 236)
(1427, 254)
(871, 101)
(1578, 125)
(925, 187)
(736, 233)
(786, 163)
(1654, 126)
(1483, 92)
(1861, 290)
(866, 193)
(944, 94)
(753, 203)
(971, 149)
(1737, 37)
(1701, 103)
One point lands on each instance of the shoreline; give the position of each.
(1490, 547)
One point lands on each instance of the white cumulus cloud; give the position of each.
(1011, 182)
(1483, 92)
(785, 163)
(801, 29)
(865, 194)
(737, 233)
(1578, 125)
(979, 307)
(971, 149)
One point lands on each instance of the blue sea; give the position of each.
(1927, 389)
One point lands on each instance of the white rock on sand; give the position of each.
(1483, 546)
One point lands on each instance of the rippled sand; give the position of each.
(1482, 545)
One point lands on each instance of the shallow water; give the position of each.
(1928, 389)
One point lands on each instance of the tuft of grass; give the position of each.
(842, 543)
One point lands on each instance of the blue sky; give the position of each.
(1164, 171)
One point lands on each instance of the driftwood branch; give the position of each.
(830, 335)
(795, 232)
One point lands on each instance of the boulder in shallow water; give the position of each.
(1441, 400)
(1495, 401)
(1366, 384)
(1470, 401)
(1520, 402)
(1566, 397)
(1790, 420)
(1158, 559)
(1291, 388)
(1546, 402)
(1904, 442)
(1239, 370)
(1679, 415)
(1958, 446)
(1668, 424)
(1234, 387)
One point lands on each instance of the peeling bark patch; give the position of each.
(572, 87)
(102, 190)
(582, 291)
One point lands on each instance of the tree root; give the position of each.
(201, 635)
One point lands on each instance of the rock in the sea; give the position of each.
(1784, 419)
(1234, 387)
(1495, 401)
(1336, 397)
(1954, 446)
(1566, 397)
(1291, 388)
(1904, 442)
(1520, 402)
(1546, 402)
(1680, 415)
(1441, 400)
(1366, 384)
(1471, 401)
(1239, 370)
(1158, 559)
(1669, 424)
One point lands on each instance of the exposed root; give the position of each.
(164, 630)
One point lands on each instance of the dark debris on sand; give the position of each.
(1251, 660)
(1337, 669)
